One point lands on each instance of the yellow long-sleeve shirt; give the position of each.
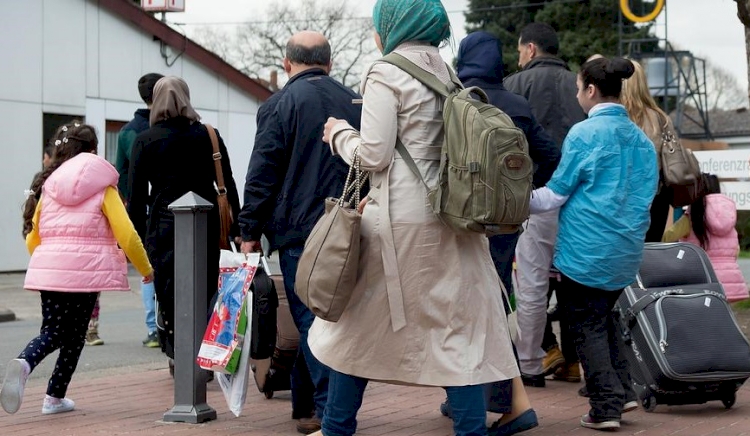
(122, 228)
(678, 230)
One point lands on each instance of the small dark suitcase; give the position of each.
(674, 264)
(683, 343)
(263, 319)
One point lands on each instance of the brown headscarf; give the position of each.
(171, 99)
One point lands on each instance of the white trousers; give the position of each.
(533, 260)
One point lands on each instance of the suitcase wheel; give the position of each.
(728, 402)
(268, 394)
(649, 402)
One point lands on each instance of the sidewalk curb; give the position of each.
(6, 315)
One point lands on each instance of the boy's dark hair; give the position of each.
(607, 75)
(316, 55)
(69, 141)
(543, 36)
(146, 86)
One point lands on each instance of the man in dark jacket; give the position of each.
(550, 88)
(291, 173)
(125, 140)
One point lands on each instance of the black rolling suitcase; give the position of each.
(274, 336)
(263, 315)
(682, 341)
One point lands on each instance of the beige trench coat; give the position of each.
(427, 306)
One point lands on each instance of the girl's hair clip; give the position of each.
(65, 139)
(28, 193)
(57, 143)
(64, 128)
(76, 125)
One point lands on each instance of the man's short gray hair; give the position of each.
(316, 55)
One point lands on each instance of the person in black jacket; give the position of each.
(291, 173)
(175, 156)
(550, 88)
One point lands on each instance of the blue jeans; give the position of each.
(502, 250)
(303, 319)
(345, 398)
(148, 296)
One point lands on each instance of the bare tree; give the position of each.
(723, 89)
(743, 13)
(258, 47)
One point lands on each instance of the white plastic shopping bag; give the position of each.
(234, 386)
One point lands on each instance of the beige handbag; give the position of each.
(678, 164)
(327, 270)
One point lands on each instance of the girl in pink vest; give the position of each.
(74, 220)
(709, 223)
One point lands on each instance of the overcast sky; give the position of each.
(708, 28)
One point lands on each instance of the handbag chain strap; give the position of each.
(354, 181)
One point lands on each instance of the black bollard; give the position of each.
(191, 221)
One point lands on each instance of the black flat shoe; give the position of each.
(525, 421)
(534, 381)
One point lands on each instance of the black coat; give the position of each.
(175, 157)
(291, 170)
(480, 63)
(550, 88)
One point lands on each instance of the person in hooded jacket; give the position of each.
(710, 224)
(480, 63)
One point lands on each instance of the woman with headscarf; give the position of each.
(427, 309)
(175, 156)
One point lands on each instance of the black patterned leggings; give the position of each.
(65, 320)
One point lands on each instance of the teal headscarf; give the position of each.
(399, 21)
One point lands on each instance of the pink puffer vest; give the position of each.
(723, 246)
(78, 252)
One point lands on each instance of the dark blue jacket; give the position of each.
(125, 140)
(480, 63)
(292, 170)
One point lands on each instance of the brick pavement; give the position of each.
(133, 404)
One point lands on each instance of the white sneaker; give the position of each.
(630, 406)
(11, 395)
(56, 405)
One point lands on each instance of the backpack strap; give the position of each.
(401, 149)
(427, 79)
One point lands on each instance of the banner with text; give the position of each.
(725, 164)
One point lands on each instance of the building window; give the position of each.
(110, 140)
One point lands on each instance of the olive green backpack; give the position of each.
(485, 169)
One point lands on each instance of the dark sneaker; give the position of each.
(308, 425)
(151, 341)
(599, 424)
(534, 381)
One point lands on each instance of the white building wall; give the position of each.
(71, 57)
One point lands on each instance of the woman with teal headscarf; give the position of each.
(427, 307)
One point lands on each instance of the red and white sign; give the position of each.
(163, 5)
